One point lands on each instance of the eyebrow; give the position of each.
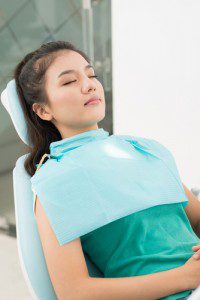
(74, 71)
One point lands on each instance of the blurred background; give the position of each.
(146, 54)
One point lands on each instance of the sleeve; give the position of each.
(70, 200)
(170, 162)
(161, 151)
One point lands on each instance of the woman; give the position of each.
(149, 251)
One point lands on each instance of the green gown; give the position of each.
(152, 240)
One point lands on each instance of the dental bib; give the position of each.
(93, 178)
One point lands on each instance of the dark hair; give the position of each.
(29, 75)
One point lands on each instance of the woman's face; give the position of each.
(68, 92)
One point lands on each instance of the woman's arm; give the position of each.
(145, 287)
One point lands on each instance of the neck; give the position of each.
(69, 132)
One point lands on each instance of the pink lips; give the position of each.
(92, 101)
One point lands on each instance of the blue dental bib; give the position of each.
(94, 178)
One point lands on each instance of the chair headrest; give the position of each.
(11, 102)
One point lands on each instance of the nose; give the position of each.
(88, 84)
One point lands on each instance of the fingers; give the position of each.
(197, 254)
(194, 248)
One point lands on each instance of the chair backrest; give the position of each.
(31, 256)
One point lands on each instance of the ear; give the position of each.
(43, 111)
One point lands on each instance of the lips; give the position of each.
(92, 99)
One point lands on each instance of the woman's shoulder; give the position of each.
(146, 142)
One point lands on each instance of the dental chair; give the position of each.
(31, 256)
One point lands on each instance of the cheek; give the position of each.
(68, 104)
(63, 99)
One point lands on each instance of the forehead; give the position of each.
(66, 60)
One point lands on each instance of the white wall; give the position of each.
(156, 76)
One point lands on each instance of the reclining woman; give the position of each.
(145, 251)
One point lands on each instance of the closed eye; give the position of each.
(94, 76)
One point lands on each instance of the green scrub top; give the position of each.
(152, 240)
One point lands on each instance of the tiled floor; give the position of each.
(13, 285)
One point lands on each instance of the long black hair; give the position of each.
(29, 75)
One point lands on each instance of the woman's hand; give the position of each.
(192, 271)
(197, 250)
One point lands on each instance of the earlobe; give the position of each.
(45, 116)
